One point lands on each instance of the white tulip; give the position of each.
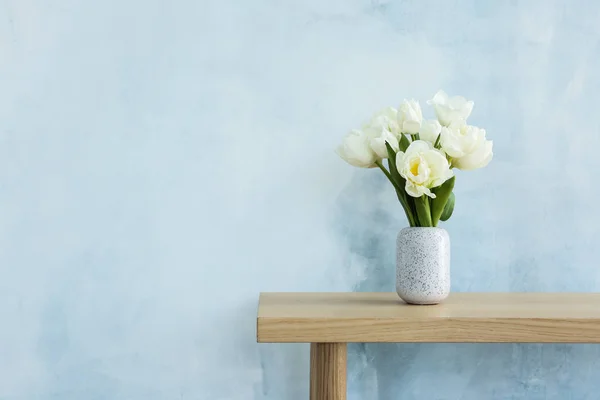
(378, 143)
(410, 117)
(477, 159)
(386, 119)
(450, 109)
(466, 145)
(430, 131)
(423, 167)
(356, 150)
(460, 139)
(383, 127)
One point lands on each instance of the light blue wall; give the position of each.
(161, 162)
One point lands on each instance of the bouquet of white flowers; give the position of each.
(421, 153)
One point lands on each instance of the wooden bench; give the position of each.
(331, 320)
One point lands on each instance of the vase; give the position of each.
(423, 265)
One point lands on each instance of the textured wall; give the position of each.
(161, 162)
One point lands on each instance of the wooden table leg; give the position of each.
(328, 371)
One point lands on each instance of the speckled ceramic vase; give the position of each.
(423, 265)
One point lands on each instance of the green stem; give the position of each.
(399, 193)
(410, 215)
(423, 211)
(442, 194)
(410, 204)
(437, 141)
(385, 171)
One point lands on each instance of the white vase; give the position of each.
(423, 265)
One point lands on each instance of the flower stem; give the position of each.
(437, 141)
(385, 171)
(423, 211)
(401, 195)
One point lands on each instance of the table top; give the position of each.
(462, 317)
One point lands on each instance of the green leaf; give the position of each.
(423, 211)
(391, 156)
(442, 194)
(448, 208)
(404, 143)
(406, 205)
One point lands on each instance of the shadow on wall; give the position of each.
(369, 218)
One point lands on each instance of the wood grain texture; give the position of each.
(328, 371)
(463, 317)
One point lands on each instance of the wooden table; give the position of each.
(330, 320)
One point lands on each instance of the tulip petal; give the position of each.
(477, 159)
